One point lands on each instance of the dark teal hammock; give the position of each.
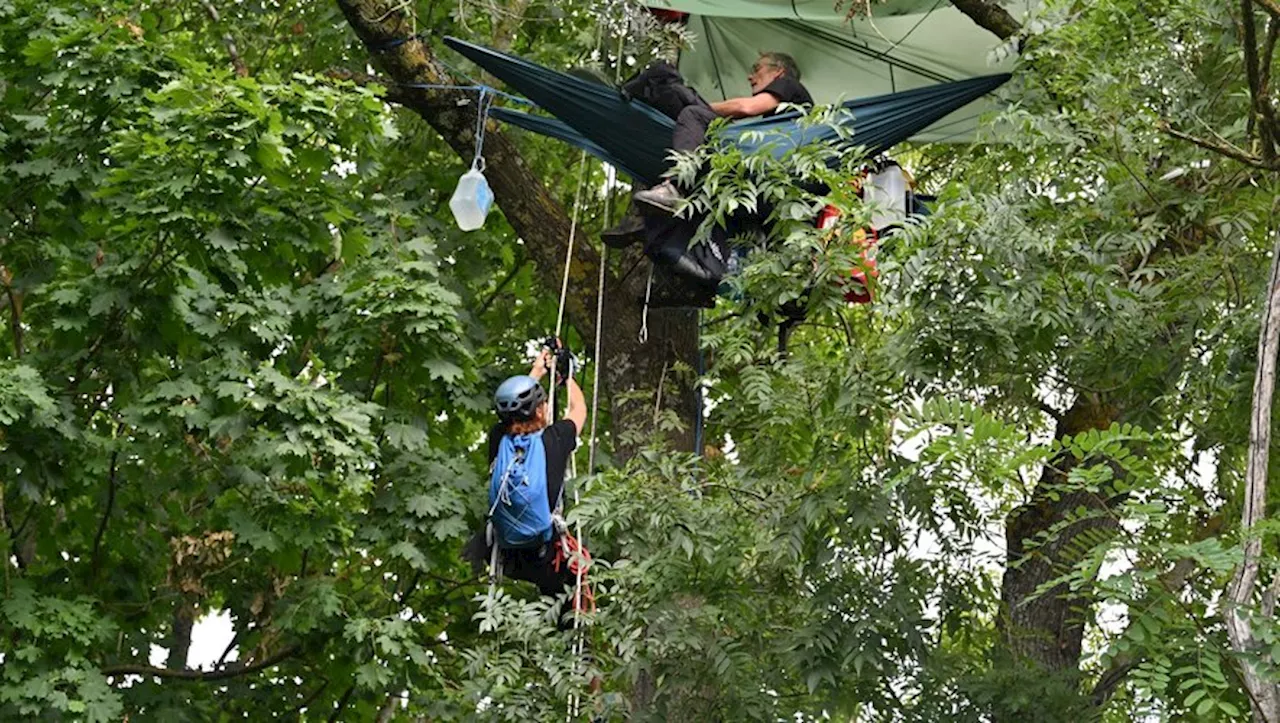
(635, 138)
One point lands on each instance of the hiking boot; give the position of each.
(695, 272)
(673, 291)
(630, 230)
(661, 198)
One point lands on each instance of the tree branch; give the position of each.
(1264, 695)
(1267, 55)
(106, 515)
(4, 524)
(1221, 147)
(15, 309)
(1044, 407)
(1270, 6)
(528, 206)
(237, 62)
(991, 16)
(506, 26)
(342, 703)
(306, 702)
(493, 296)
(201, 675)
(388, 709)
(235, 638)
(1172, 582)
(1263, 112)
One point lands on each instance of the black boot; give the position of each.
(628, 231)
(687, 268)
(673, 289)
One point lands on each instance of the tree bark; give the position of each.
(184, 619)
(1048, 631)
(990, 16)
(508, 24)
(1264, 695)
(543, 224)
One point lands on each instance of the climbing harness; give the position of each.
(570, 552)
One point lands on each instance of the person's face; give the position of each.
(762, 74)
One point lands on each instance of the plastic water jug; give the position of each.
(886, 191)
(472, 199)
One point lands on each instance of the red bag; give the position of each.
(857, 289)
(669, 16)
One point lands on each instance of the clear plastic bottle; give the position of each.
(472, 199)
(887, 192)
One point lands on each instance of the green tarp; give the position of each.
(805, 9)
(925, 43)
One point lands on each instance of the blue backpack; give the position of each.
(518, 505)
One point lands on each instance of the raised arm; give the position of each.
(577, 409)
(576, 412)
(746, 107)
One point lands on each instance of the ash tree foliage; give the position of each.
(246, 366)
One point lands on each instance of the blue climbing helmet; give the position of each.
(518, 398)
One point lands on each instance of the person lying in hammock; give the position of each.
(528, 457)
(774, 80)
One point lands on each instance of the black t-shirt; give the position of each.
(787, 90)
(558, 440)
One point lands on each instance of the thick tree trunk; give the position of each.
(1048, 631)
(643, 382)
(542, 222)
(184, 620)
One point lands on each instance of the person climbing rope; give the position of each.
(528, 458)
(774, 80)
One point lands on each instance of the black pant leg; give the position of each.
(535, 565)
(691, 127)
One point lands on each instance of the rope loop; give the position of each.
(643, 336)
(482, 118)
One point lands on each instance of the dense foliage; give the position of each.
(247, 361)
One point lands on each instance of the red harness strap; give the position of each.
(572, 553)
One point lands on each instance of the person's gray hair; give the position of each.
(783, 61)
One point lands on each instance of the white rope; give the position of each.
(579, 644)
(644, 314)
(573, 232)
(495, 561)
(595, 380)
(574, 699)
(611, 186)
(568, 262)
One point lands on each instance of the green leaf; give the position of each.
(406, 437)
(409, 553)
(443, 370)
(423, 505)
(1205, 706)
